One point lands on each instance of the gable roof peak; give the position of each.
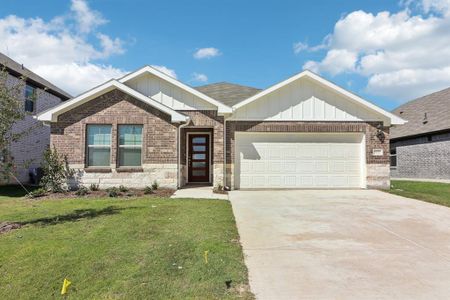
(221, 108)
(395, 120)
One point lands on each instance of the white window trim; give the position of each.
(119, 146)
(98, 146)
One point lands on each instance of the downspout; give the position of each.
(225, 154)
(179, 151)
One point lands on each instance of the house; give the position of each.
(421, 148)
(304, 132)
(38, 96)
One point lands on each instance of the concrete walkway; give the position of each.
(200, 192)
(336, 244)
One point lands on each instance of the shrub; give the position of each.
(37, 193)
(113, 192)
(155, 185)
(56, 171)
(148, 190)
(123, 189)
(94, 187)
(82, 191)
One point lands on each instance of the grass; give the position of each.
(438, 193)
(137, 248)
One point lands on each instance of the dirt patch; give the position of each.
(7, 227)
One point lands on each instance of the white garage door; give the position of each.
(299, 160)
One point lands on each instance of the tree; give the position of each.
(56, 171)
(11, 111)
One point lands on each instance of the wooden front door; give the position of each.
(198, 158)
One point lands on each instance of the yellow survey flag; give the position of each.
(206, 256)
(65, 286)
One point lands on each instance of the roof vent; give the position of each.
(425, 119)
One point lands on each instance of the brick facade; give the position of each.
(206, 121)
(27, 152)
(159, 149)
(425, 157)
(377, 166)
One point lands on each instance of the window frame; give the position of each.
(31, 98)
(120, 147)
(393, 155)
(98, 146)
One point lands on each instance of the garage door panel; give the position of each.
(275, 166)
(305, 181)
(305, 166)
(289, 160)
(290, 166)
(321, 167)
(338, 166)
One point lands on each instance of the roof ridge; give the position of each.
(230, 83)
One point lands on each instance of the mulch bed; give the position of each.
(223, 192)
(161, 193)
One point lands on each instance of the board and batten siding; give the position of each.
(168, 94)
(304, 100)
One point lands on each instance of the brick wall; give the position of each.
(377, 166)
(159, 149)
(423, 157)
(28, 151)
(116, 107)
(206, 121)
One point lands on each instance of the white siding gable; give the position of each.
(167, 93)
(305, 100)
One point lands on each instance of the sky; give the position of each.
(388, 52)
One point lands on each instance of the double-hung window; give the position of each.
(30, 98)
(393, 157)
(98, 145)
(130, 145)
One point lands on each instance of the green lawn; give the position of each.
(141, 248)
(433, 192)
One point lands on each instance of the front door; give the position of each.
(198, 158)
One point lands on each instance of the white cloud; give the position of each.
(86, 18)
(206, 53)
(199, 77)
(166, 70)
(336, 61)
(65, 50)
(78, 77)
(299, 47)
(440, 6)
(403, 55)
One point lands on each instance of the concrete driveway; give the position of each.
(336, 244)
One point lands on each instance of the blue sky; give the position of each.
(258, 43)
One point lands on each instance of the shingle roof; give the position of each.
(426, 114)
(18, 70)
(228, 93)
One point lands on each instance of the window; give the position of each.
(30, 98)
(99, 145)
(393, 157)
(130, 145)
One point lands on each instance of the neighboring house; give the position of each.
(421, 148)
(304, 132)
(38, 96)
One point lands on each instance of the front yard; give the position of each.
(115, 248)
(438, 193)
